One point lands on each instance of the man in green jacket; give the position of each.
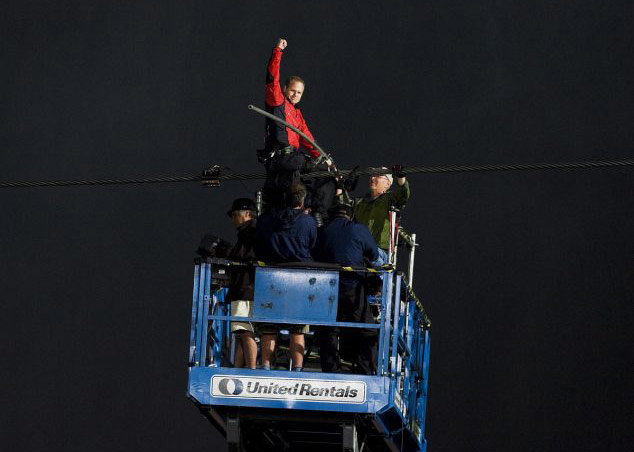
(373, 209)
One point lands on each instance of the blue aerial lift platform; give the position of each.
(280, 410)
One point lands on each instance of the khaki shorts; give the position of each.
(241, 308)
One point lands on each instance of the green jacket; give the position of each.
(374, 213)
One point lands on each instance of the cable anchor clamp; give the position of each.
(211, 176)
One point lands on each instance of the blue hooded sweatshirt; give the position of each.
(285, 235)
(345, 242)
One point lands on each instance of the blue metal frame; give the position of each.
(397, 395)
(192, 334)
(384, 337)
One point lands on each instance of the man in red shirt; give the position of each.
(282, 102)
(288, 153)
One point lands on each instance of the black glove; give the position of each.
(213, 246)
(350, 182)
(398, 171)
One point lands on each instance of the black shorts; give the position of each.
(274, 328)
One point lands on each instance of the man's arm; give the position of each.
(212, 246)
(401, 194)
(274, 95)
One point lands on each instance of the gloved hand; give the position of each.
(321, 162)
(213, 246)
(397, 171)
(350, 182)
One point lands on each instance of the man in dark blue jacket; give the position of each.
(286, 235)
(348, 243)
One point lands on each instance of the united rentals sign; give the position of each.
(336, 391)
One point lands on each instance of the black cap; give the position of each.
(341, 209)
(242, 204)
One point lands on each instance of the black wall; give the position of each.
(528, 277)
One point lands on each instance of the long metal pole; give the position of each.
(294, 129)
(324, 154)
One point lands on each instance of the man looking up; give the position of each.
(286, 153)
(286, 235)
(373, 209)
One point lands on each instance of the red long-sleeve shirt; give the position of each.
(277, 135)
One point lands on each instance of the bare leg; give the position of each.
(238, 359)
(268, 345)
(297, 349)
(249, 349)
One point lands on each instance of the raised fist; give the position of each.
(281, 43)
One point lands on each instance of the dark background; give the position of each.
(528, 277)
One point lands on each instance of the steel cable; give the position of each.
(366, 171)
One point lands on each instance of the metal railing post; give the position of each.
(201, 327)
(387, 296)
(393, 237)
(412, 253)
(194, 325)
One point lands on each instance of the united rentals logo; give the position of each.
(337, 391)
(230, 386)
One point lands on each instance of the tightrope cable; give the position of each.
(366, 171)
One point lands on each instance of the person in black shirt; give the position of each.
(243, 216)
(348, 243)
